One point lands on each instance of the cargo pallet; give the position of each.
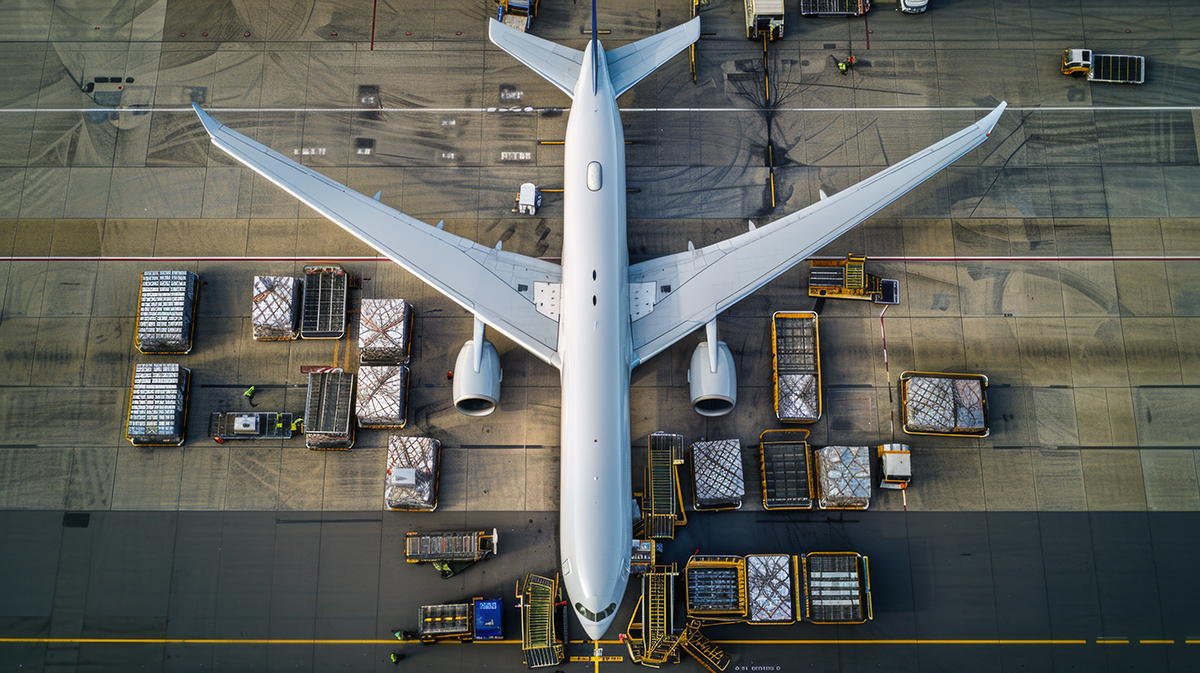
(796, 366)
(480, 619)
(231, 425)
(411, 484)
(167, 305)
(324, 312)
(786, 475)
(157, 411)
(718, 482)
(329, 411)
(947, 405)
(837, 588)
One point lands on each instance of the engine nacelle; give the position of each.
(713, 392)
(476, 393)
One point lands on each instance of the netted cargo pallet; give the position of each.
(944, 404)
(166, 312)
(717, 479)
(843, 477)
(382, 397)
(384, 332)
(838, 588)
(412, 473)
(769, 583)
(324, 312)
(786, 480)
(329, 411)
(274, 310)
(797, 367)
(716, 587)
(158, 405)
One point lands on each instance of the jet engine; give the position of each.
(713, 389)
(477, 376)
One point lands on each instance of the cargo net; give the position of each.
(834, 591)
(273, 311)
(713, 590)
(165, 312)
(382, 397)
(941, 404)
(717, 473)
(412, 473)
(798, 399)
(769, 580)
(844, 474)
(384, 329)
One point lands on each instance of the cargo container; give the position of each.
(157, 413)
(412, 473)
(717, 478)
(479, 619)
(382, 397)
(764, 19)
(756, 589)
(843, 477)
(329, 411)
(274, 310)
(324, 312)
(166, 319)
(796, 366)
(384, 332)
(944, 404)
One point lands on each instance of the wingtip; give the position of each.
(989, 122)
(211, 125)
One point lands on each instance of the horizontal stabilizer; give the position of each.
(558, 64)
(630, 64)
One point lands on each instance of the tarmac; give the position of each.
(1059, 259)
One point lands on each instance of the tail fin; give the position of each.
(628, 65)
(558, 64)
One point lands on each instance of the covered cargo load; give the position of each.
(167, 312)
(834, 7)
(382, 397)
(796, 362)
(786, 479)
(943, 404)
(843, 477)
(324, 311)
(837, 588)
(329, 411)
(769, 583)
(717, 479)
(384, 332)
(412, 473)
(480, 619)
(274, 311)
(158, 405)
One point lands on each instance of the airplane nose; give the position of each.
(596, 630)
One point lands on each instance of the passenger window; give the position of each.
(594, 178)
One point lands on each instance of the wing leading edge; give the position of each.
(497, 286)
(704, 282)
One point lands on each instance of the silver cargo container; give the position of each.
(158, 405)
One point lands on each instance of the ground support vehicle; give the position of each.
(449, 552)
(786, 478)
(764, 19)
(843, 477)
(651, 636)
(516, 13)
(717, 479)
(834, 7)
(796, 366)
(895, 466)
(412, 474)
(528, 200)
(1104, 67)
(848, 279)
(953, 405)
(167, 312)
(541, 605)
(384, 332)
(224, 426)
(480, 619)
(274, 311)
(329, 411)
(157, 413)
(663, 502)
(382, 401)
(324, 312)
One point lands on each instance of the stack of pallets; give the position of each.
(166, 311)
(158, 405)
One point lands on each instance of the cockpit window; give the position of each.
(594, 178)
(594, 617)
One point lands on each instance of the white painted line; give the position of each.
(671, 110)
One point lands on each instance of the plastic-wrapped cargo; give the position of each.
(798, 397)
(844, 477)
(769, 583)
(167, 311)
(717, 477)
(412, 473)
(384, 332)
(329, 411)
(274, 311)
(382, 397)
(158, 405)
(944, 404)
(795, 345)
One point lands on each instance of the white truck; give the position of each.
(764, 18)
(1104, 67)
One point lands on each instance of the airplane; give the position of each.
(594, 316)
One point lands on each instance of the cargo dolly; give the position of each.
(796, 366)
(848, 279)
(786, 476)
(323, 315)
(449, 552)
(224, 426)
(480, 619)
(950, 405)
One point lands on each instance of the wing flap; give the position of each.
(705, 282)
(495, 285)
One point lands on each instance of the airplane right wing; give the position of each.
(674, 295)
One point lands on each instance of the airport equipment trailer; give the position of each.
(764, 19)
(329, 411)
(480, 619)
(834, 7)
(895, 466)
(1104, 67)
(796, 366)
(449, 552)
(953, 405)
(324, 312)
(848, 279)
(786, 479)
(224, 426)
(516, 13)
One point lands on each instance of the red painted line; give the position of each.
(867, 28)
(1112, 258)
(1066, 258)
(374, 6)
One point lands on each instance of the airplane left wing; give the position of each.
(497, 286)
(677, 294)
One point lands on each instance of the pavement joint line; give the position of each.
(668, 110)
(1016, 258)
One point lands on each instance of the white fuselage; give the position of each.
(596, 351)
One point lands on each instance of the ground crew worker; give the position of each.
(850, 62)
(296, 424)
(397, 657)
(279, 423)
(842, 67)
(249, 395)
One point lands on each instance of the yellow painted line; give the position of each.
(227, 641)
(902, 641)
(1157, 642)
(1191, 642)
(1111, 642)
(304, 641)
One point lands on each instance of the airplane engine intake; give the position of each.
(476, 393)
(713, 392)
